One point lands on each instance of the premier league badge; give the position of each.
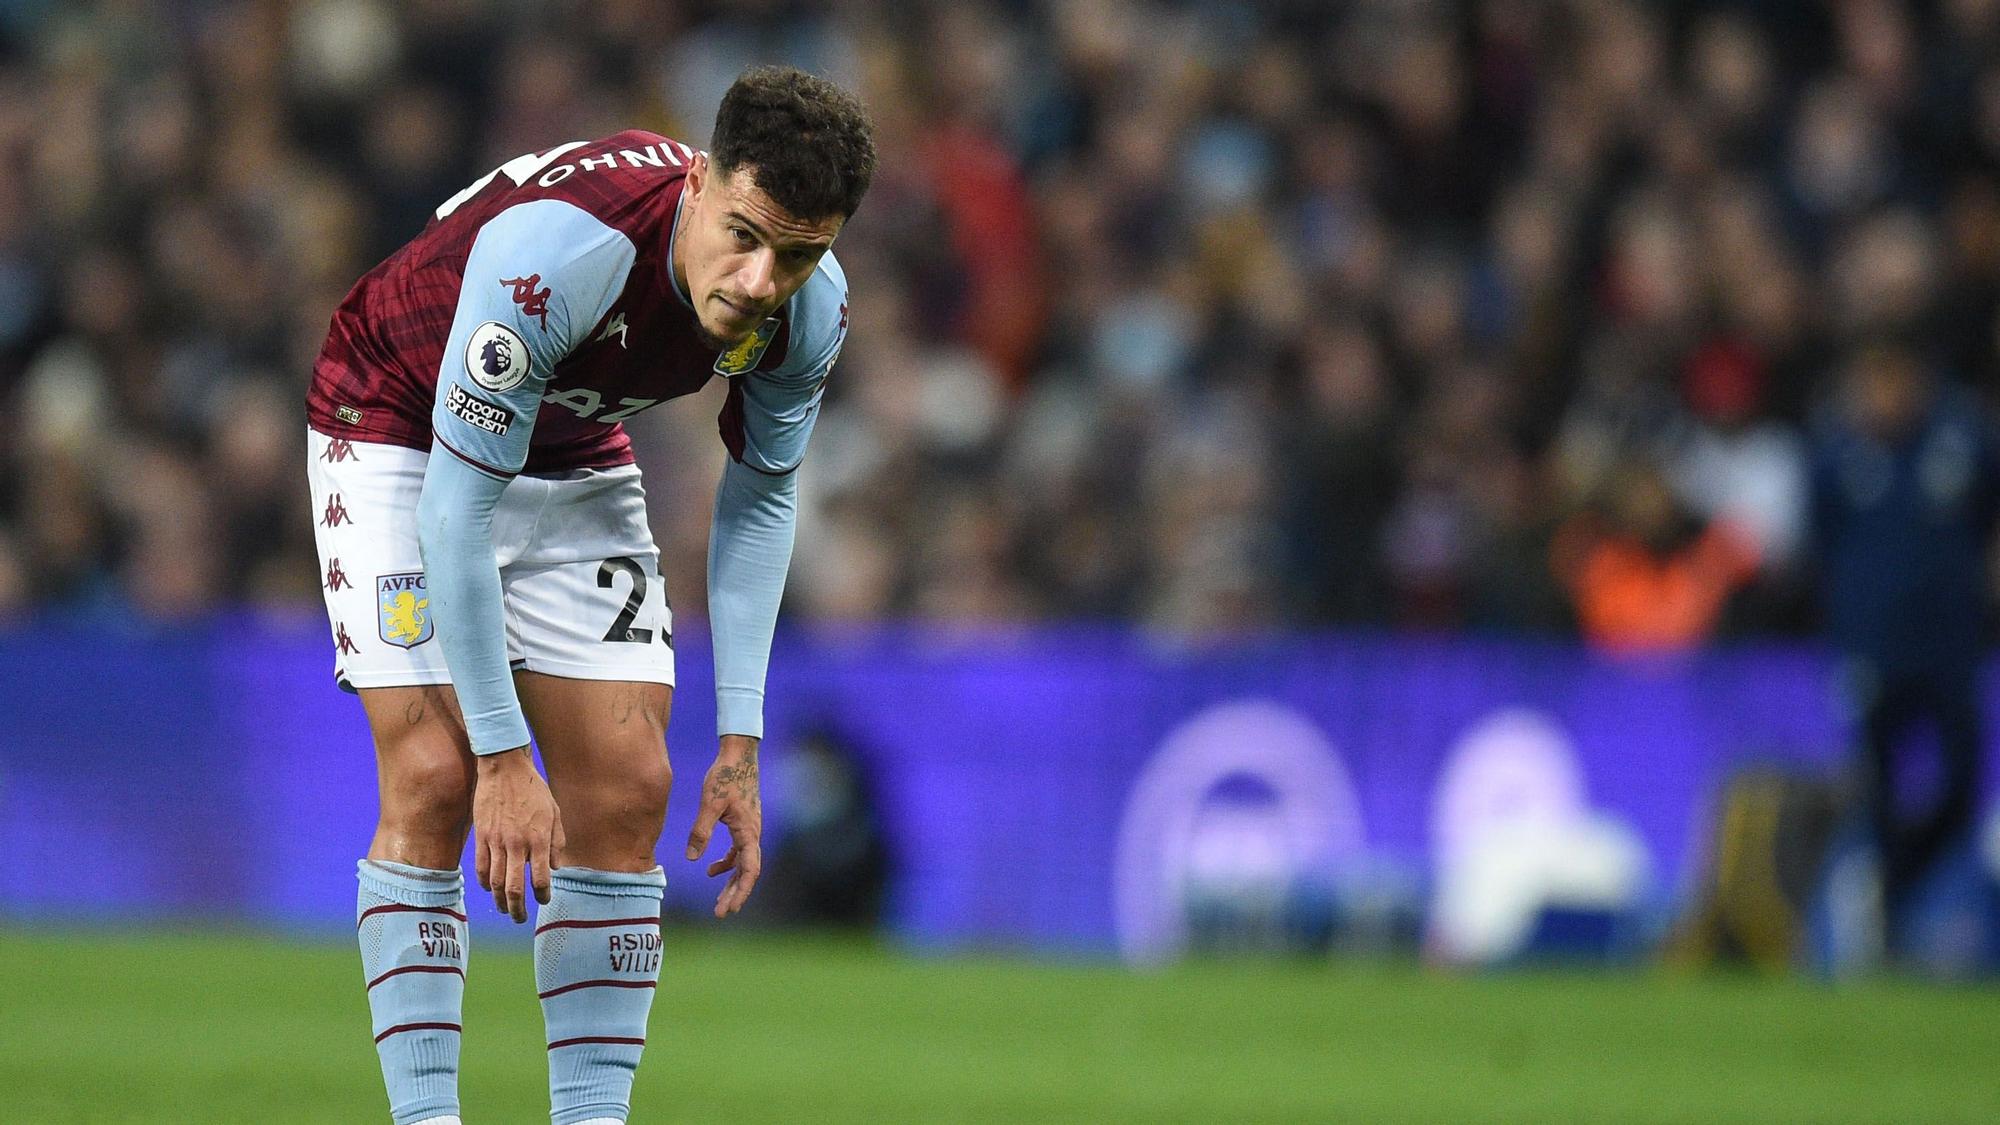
(496, 357)
(402, 601)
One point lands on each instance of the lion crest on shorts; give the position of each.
(402, 600)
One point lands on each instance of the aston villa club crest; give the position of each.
(745, 355)
(403, 605)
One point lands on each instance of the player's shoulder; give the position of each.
(637, 150)
(555, 232)
(817, 318)
(629, 181)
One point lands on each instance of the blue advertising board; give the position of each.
(1041, 788)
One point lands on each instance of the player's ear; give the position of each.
(697, 176)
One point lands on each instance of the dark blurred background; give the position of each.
(1214, 317)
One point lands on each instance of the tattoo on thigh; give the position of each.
(438, 698)
(642, 702)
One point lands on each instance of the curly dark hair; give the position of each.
(809, 143)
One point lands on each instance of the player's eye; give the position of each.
(743, 237)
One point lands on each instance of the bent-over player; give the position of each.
(489, 568)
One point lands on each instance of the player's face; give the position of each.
(740, 255)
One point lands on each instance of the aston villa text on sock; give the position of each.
(634, 952)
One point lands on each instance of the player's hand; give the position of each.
(515, 824)
(729, 794)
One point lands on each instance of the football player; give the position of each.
(489, 569)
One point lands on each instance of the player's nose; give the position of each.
(759, 277)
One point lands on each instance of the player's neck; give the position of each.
(675, 270)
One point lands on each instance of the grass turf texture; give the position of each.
(183, 1028)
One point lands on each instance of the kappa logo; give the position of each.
(336, 578)
(533, 302)
(336, 512)
(343, 643)
(745, 355)
(402, 600)
(496, 357)
(341, 449)
(614, 327)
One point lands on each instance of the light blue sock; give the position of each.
(411, 921)
(597, 965)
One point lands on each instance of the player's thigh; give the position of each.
(595, 672)
(425, 771)
(599, 737)
(603, 743)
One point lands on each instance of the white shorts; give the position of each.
(579, 574)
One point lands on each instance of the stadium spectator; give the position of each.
(1646, 577)
(1906, 491)
(1209, 316)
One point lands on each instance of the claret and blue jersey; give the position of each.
(515, 334)
(567, 253)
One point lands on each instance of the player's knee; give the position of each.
(648, 777)
(429, 789)
(642, 807)
(616, 823)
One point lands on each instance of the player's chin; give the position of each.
(724, 335)
(712, 335)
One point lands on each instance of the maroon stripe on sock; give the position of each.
(595, 1039)
(596, 923)
(597, 984)
(417, 969)
(402, 1027)
(399, 908)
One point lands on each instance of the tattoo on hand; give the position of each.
(738, 780)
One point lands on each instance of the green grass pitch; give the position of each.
(758, 1028)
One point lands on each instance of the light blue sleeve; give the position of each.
(756, 506)
(539, 277)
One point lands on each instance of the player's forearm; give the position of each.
(749, 550)
(455, 534)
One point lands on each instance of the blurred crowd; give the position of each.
(1523, 315)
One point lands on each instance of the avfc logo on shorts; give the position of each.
(402, 601)
(745, 355)
(496, 357)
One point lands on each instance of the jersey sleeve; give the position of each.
(765, 424)
(770, 414)
(538, 279)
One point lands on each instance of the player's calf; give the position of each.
(426, 773)
(597, 942)
(410, 914)
(411, 925)
(597, 965)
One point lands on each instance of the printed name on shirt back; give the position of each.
(477, 412)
